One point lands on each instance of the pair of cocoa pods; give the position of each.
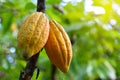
(38, 32)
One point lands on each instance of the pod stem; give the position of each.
(31, 63)
(53, 72)
(40, 5)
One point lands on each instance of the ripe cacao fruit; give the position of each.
(33, 34)
(58, 46)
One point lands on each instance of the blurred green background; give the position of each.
(92, 25)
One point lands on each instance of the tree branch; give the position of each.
(31, 64)
(53, 72)
(30, 67)
(40, 5)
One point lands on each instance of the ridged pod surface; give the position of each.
(58, 47)
(33, 34)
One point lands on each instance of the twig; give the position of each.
(40, 5)
(53, 72)
(31, 64)
(30, 67)
(59, 8)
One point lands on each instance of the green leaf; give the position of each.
(53, 2)
(6, 21)
(30, 5)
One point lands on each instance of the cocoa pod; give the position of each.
(33, 34)
(58, 47)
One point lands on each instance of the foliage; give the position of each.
(93, 29)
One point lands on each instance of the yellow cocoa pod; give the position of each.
(33, 34)
(58, 47)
